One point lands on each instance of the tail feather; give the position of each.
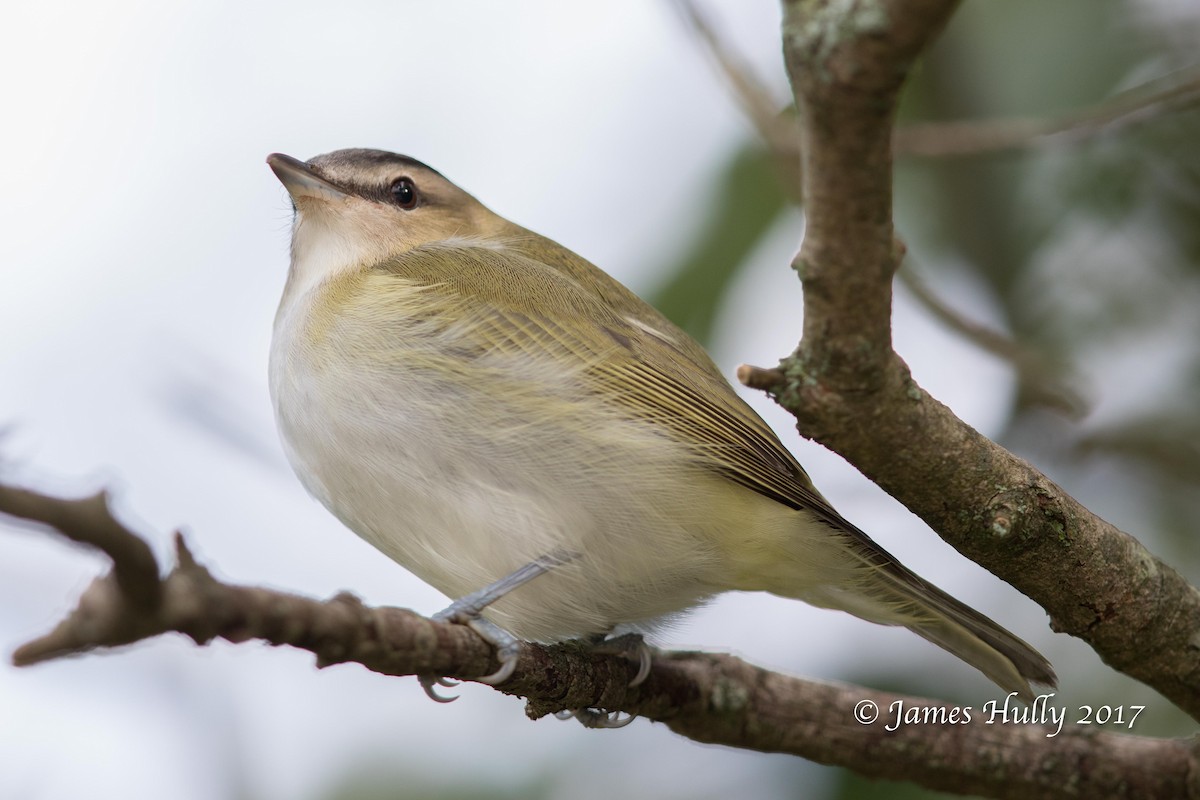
(882, 590)
(1000, 655)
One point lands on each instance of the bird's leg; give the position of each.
(469, 607)
(466, 610)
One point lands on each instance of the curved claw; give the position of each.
(566, 713)
(507, 667)
(628, 644)
(644, 663)
(591, 718)
(430, 684)
(508, 649)
(613, 721)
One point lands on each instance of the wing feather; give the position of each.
(639, 362)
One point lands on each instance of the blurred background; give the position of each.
(145, 246)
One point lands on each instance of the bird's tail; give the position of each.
(878, 588)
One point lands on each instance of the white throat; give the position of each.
(321, 253)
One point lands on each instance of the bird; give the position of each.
(525, 434)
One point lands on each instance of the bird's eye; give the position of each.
(404, 194)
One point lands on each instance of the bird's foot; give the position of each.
(468, 611)
(630, 644)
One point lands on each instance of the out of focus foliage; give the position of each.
(750, 198)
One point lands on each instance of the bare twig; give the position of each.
(1042, 381)
(89, 521)
(710, 698)
(758, 377)
(776, 130)
(1167, 442)
(1149, 101)
(780, 130)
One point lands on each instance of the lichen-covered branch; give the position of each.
(849, 390)
(711, 698)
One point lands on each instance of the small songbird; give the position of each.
(522, 432)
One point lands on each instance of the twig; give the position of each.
(89, 521)
(780, 130)
(1149, 101)
(752, 95)
(710, 698)
(776, 128)
(1167, 442)
(1043, 384)
(765, 380)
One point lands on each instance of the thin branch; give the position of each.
(1045, 383)
(1152, 100)
(847, 63)
(89, 521)
(711, 698)
(775, 129)
(759, 378)
(1166, 442)
(780, 130)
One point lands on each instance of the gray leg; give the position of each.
(469, 607)
(466, 611)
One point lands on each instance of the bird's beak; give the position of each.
(300, 180)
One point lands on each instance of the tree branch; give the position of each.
(778, 131)
(847, 63)
(711, 698)
(850, 391)
(89, 522)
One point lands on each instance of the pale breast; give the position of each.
(464, 469)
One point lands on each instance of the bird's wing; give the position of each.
(648, 371)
